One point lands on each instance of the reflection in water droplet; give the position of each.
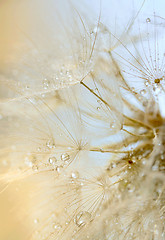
(36, 221)
(143, 91)
(52, 160)
(50, 144)
(112, 125)
(82, 218)
(75, 174)
(65, 157)
(59, 169)
(148, 20)
(57, 226)
(46, 83)
(35, 168)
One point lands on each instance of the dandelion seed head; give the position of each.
(87, 146)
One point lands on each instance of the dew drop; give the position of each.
(50, 144)
(35, 168)
(133, 89)
(59, 169)
(75, 174)
(112, 125)
(148, 20)
(143, 91)
(82, 218)
(52, 160)
(46, 83)
(36, 221)
(112, 165)
(65, 157)
(146, 83)
(57, 226)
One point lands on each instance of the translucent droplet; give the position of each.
(59, 169)
(146, 83)
(46, 83)
(82, 218)
(52, 160)
(143, 91)
(65, 157)
(50, 144)
(112, 165)
(35, 168)
(148, 20)
(112, 125)
(57, 226)
(133, 89)
(75, 174)
(36, 221)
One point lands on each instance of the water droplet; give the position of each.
(59, 169)
(35, 168)
(148, 20)
(133, 89)
(146, 83)
(52, 160)
(50, 144)
(36, 221)
(57, 226)
(143, 91)
(82, 218)
(65, 157)
(75, 174)
(112, 165)
(112, 125)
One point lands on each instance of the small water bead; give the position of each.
(112, 166)
(46, 83)
(36, 221)
(75, 174)
(35, 168)
(82, 218)
(148, 20)
(52, 160)
(50, 144)
(112, 125)
(57, 226)
(143, 92)
(59, 169)
(130, 187)
(133, 89)
(146, 83)
(65, 157)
